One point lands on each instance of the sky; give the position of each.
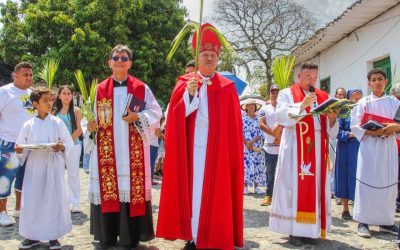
(324, 10)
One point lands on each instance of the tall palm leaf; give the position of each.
(282, 67)
(80, 80)
(48, 71)
(92, 92)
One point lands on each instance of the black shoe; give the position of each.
(295, 241)
(393, 229)
(190, 246)
(346, 215)
(54, 244)
(26, 244)
(105, 244)
(309, 240)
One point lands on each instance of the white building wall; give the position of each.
(348, 61)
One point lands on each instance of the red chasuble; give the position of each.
(221, 212)
(306, 163)
(106, 151)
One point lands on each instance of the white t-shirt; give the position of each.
(15, 109)
(269, 114)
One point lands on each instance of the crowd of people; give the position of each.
(213, 149)
(354, 174)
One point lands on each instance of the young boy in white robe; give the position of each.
(44, 214)
(374, 206)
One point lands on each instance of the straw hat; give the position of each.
(244, 103)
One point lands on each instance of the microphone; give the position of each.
(311, 89)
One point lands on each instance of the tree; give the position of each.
(81, 33)
(259, 30)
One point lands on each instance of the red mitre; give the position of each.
(209, 40)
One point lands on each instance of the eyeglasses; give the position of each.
(123, 58)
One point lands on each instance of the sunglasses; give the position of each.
(123, 58)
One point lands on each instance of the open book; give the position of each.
(331, 103)
(134, 104)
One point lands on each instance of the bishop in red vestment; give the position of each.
(202, 190)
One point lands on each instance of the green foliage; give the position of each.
(93, 88)
(282, 67)
(81, 34)
(48, 71)
(256, 79)
(263, 91)
(80, 80)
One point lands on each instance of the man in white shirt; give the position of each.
(268, 123)
(15, 110)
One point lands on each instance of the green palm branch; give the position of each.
(282, 67)
(92, 92)
(80, 80)
(193, 26)
(48, 71)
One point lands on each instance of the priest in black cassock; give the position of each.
(120, 178)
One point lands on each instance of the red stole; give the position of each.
(306, 163)
(106, 151)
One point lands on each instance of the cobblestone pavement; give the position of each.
(256, 233)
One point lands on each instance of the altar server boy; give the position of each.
(45, 214)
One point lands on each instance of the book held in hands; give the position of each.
(331, 103)
(374, 122)
(372, 125)
(134, 104)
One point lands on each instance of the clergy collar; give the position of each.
(206, 79)
(118, 83)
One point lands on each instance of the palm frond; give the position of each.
(197, 27)
(48, 71)
(93, 88)
(282, 68)
(80, 80)
(224, 42)
(178, 39)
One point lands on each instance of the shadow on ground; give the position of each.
(255, 218)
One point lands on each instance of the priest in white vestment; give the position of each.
(312, 219)
(120, 176)
(377, 166)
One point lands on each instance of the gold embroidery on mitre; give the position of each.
(137, 178)
(104, 112)
(108, 184)
(210, 47)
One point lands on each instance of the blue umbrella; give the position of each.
(239, 83)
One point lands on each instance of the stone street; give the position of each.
(257, 236)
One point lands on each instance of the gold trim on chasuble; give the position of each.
(106, 152)
(137, 167)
